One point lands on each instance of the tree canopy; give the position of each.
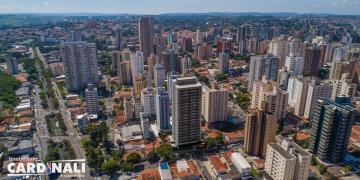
(165, 151)
(221, 76)
(8, 86)
(118, 154)
(134, 158)
(110, 167)
(243, 100)
(210, 142)
(152, 157)
(98, 133)
(203, 79)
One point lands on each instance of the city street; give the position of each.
(71, 132)
(41, 128)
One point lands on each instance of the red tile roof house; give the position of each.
(219, 167)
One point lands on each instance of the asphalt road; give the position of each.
(71, 132)
(41, 128)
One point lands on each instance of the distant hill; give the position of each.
(280, 14)
(275, 14)
(62, 14)
(25, 19)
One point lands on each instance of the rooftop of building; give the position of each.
(354, 136)
(335, 170)
(72, 96)
(23, 144)
(164, 166)
(3, 129)
(26, 84)
(74, 102)
(258, 163)
(281, 151)
(186, 82)
(234, 135)
(28, 113)
(165, 171)
(76, 111)
(132, 132)
(184, 168)
(149, 174)
(20, 77)
(219, 166)
(6, 121)
(151, 146)
(298, 150)
(241, 160)
(22, 91)
(341, 103)
(227, 156)
(120, 118)
(122, 94)
(301, 136)
(212, 134)
(25, 120)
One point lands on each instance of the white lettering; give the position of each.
(56, 167)
(83, 167)
(76, 168)
(40, 168)
(30, 167)
(67, 168)
(20, 168)
(11, 167)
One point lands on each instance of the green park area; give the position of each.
(55, 124)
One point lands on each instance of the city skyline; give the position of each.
(190, 89)
(346, 7)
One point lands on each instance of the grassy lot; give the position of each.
(55, 124)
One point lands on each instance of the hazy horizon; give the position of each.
(340, 7)
(165, 13)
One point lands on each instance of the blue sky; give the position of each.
(166, 6)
